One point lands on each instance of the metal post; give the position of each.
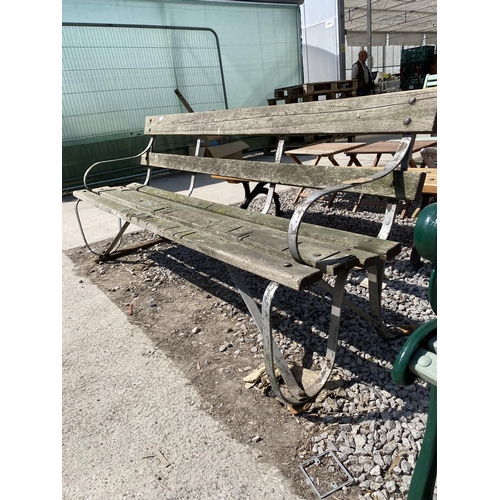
(369, 32)
(341, 39)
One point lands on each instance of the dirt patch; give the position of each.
(195, 315)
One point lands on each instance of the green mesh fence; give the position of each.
(116, 75)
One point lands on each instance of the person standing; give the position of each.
(362, 74)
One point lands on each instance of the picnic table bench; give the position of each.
(285, 252)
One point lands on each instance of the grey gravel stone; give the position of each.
(379, 460)
(405, 484)
(406, 467)
(390, 486)
(390, 447)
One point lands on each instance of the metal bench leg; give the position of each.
(261, 189)
(247, 200)
(297, 392)
(272, 195)
(113, 244)
(111, 252)
(375, 281)
(389, 217)
(118, 237)
(408, 367)
(358, 203)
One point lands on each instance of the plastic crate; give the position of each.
(416, 67)
(412, 83)
(411, 71)
(416, 54)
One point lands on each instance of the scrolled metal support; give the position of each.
(113, 245)
(401, 158)
(296, 392)
(272, 355)
(271, 190)
(87, 172)
(121, 229)
(193, 175)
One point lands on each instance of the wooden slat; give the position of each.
(430, 181)
(325, 148)
(254, 260)
(364, 247)
(397, 185)
(381, 114)
(254, 234)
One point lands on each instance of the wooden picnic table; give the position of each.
(430, 184)
(325, 149)
(385, 147)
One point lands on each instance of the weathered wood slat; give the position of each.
(398, 185)
(251, 233)
(281, 269)
(386, 249)
(365, 248)
(382, 113)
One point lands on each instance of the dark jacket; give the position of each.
(362, 85)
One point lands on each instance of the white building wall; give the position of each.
(320, 41)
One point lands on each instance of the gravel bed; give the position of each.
(374, 427)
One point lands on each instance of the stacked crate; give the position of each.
(416, 63)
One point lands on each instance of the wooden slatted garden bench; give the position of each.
(286, 252)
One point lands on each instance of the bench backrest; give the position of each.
(306, 176)
(409, 112)
(403, 113)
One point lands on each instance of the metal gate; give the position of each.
(116, 75)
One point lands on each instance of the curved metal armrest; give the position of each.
(401, 157)
(148, 147)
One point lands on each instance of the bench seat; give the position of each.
(251, 241)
